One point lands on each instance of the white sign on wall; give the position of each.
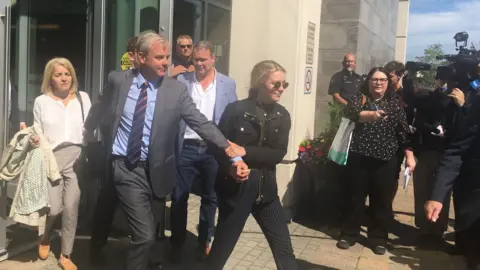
(310, 43)
(308, 80)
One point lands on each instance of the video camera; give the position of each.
(464, 67)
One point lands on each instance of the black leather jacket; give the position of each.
(263, 131)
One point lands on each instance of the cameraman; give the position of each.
(436, 115)
(396, 71)
(344, 84)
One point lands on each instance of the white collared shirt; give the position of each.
(60, 123)
(205, 101)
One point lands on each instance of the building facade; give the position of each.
(308, 37)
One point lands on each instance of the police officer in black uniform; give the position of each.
(344, 84)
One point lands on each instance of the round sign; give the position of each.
(308, 80)
(125, 61)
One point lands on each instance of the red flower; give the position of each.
(301, 149)
(309, 146)
(319, 153)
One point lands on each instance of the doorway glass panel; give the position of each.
(124, 20)
(42, 30)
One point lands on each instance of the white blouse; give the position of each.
(60, 123)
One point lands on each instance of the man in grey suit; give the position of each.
(140, 117)
(212, 92)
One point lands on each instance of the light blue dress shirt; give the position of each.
(120, 144)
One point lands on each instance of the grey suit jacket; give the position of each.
(173, 104)
(226, 94)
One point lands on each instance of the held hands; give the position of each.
(458, 97)
(432, 210)
(240, 171)
(191, 68)
(234, 150)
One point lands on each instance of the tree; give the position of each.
(427, 77)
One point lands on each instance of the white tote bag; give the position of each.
(338, 152)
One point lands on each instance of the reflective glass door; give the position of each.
(42, 30)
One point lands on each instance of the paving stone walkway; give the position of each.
(314, 247)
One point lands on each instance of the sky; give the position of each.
(437, 21)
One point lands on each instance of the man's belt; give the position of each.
(195, 142)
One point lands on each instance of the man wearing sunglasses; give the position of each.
(182, 60)
(344, 84)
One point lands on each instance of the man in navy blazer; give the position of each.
(211, 91)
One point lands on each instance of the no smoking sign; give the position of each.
(308, 80)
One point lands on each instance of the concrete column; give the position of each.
(278, 30)
(402, 30)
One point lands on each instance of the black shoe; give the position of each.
(202, 252)
(345, 243)
(176, 254)
(432, 242)
(379, 250)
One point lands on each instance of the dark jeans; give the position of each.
(194, 162)
(232, 217)
(374, 178)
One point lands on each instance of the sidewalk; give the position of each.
(314, 248)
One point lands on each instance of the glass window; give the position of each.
(218, 32)
(124, 20)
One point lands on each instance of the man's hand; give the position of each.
(191, 68)
(234, 150)
(178, 70)
(432, 210)
(22, 125)
(410, 163)
(240, 171)
(458, 97)
(34, 140)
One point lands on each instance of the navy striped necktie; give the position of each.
(135, 140)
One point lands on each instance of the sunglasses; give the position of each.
(277, 85)
(380, 80)
(185, 46)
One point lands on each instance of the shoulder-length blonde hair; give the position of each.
(260, 74)
(48, 73)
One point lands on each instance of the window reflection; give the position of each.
(218, 32)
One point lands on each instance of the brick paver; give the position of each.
(314, 248)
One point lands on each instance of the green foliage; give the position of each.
(427, 78)
(316, 150)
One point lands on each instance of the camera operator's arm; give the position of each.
(458, 97)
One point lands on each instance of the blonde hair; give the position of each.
(50, 68)
(146, 39)
(260, 74)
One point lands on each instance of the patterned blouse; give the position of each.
(378, 139)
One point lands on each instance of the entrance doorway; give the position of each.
(41, 30)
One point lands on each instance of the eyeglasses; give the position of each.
(277, 85)
(380, 80)
(185, 46)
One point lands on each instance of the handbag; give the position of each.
(338, 152)
(92, 155)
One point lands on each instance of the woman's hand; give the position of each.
(410, 163)
(34, 140)
(458, 97)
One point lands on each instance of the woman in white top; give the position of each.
(58, 113)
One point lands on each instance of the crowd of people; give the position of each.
(161, 132)
(432, 131)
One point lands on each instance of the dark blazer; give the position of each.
(264, 134)
(172, 105)
(459, 170)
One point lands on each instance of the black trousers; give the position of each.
(232, 217)
(468, 242)
(374, 178)
(137, 199)
(103, 216)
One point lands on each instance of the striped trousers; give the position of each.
(232, 218)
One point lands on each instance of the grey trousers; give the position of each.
(65, 197)
(423, 178)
